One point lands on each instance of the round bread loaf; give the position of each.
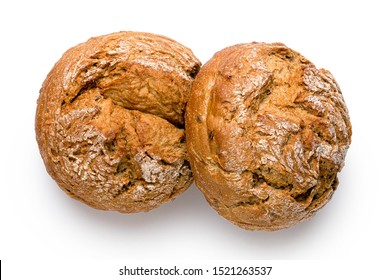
(110, 121)
(267, 133)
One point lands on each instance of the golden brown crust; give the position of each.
(110, 121)
(267, 134)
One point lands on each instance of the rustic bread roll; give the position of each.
(110, 121)
(267, 133)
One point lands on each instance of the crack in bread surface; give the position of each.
(152, 76)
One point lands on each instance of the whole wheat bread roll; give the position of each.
(267, 133)
(110, 121)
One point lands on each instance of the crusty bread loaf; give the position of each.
(110, 121)
(267, 133)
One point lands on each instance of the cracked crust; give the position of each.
(110, 121)
(267, 133)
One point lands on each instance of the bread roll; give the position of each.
(110, 121)
(267, 133)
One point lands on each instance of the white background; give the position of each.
(349, 38)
